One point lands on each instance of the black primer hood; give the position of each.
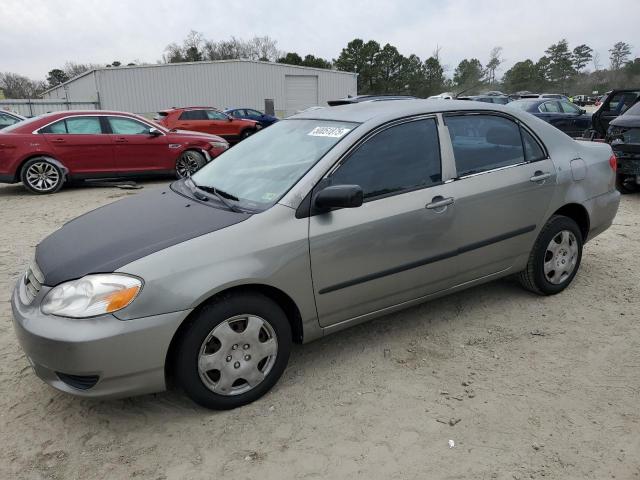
(109, 237)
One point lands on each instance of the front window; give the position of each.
(569, 108)
(127, 126)
(215, 115)
(261, 169)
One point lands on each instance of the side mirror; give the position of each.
(229, 118)
(582, 111)
(339, 196)
(154, 132)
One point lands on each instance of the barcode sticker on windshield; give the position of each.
(333, 132)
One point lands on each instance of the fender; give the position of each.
(63, 169)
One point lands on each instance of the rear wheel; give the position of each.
(188, 163)
(246, 133)
(41, 176)
(555, 257)
(233, 351)
(627, 183)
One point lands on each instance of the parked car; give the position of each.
(624, 137)
(499, 99)
(557, 96)
(564, 115)
(9, 118)
(318, 223)
(44, 152)
(583, 100)
(368, 98)
(208, 120)
(442, 96)
(250, 114)
(613, 105)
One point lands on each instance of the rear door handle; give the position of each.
(58, 140)
(121, 140)
(439, 202)
(540, 176)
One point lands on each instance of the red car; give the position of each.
(45, 151)
(208, 120)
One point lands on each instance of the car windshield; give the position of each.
(521, 105)
(21, 123)
(261, 169)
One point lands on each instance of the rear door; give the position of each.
(393, 248)
(82, 145)
(553, 114)
(196, 120)
(503, 187)
(136, 150)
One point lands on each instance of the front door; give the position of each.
(80, 144)
(394, 248)
(136, 150)
(502, 191)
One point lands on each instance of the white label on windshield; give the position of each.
(333, 132)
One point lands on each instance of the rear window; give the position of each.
(520, 105)
(194, 115)
(484, 142)
(635, 110)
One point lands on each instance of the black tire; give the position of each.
(624, 186)
(246, 133)
(202, 325)
(189, 162)
(41, 176)
(533, 277)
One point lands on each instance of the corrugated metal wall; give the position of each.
(31, 108)
(235, 83)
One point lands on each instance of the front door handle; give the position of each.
(439, 203)
(539, 176)
(58, 140)
(121, 140)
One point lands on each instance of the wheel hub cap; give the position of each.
(237, 355)
(561, 257)
(42, 176)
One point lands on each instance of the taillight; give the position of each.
(613, 162)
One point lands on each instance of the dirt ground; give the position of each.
(525, 386)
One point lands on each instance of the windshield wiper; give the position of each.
(220, 195)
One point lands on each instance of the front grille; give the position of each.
(31, 283)
(81, 382)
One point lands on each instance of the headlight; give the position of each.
(219, 144)
(91, 295)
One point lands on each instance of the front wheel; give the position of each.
(233, 351)
(41, 176)
(627, 184)
(555, 257)
(188, 163)
(246, 134)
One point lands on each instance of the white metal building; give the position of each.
(229, 83)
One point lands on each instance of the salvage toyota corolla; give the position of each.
(322, 221)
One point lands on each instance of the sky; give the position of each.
(39, 35)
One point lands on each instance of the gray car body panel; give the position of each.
(347, 266)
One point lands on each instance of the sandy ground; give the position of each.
(526, 387)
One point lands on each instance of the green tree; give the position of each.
(390, 65)
(522, 76)
(360, 57)
(468, 74)
(560, 64)
(56, 77)
(291, 58)
(619, 55)
(581, 56)
(317, 62)
(434, 79)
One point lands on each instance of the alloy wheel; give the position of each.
(561, 257)
(237, 355)
(42, 176)
(187, 164)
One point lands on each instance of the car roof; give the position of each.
(365, 111)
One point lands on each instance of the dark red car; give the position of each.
(45, 151)
(208, 120)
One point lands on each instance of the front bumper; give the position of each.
(127, 356)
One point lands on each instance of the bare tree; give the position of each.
(619, 55)
(596, 61)
(495, 60)
(19, 86)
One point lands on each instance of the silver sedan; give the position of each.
(322, 221)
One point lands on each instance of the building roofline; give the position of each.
(160, 65)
